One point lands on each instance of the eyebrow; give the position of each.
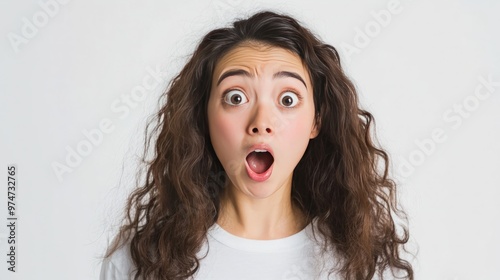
(236, 72)
(241, 72)
(283, 74)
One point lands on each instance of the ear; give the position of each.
(316, 127)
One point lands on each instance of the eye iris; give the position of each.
(236, 99)
(287, 100)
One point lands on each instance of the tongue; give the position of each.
(259, 162)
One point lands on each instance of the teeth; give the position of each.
(260, 151)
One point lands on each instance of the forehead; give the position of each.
(257, 58)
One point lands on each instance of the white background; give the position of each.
(412, 72)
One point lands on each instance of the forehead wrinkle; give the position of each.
(255, 59)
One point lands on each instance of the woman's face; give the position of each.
(260, 117)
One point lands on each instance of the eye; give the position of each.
(289, 99)
(235, 97)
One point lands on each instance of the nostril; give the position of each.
(256, 130)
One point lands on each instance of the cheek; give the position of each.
(223, 134)
(299, 128)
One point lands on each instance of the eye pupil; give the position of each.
(236, 99)
(287, 101)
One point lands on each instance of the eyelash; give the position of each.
(299, 96)
(223, 97)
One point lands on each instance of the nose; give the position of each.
(261, 123)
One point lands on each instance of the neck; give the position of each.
(263, 219)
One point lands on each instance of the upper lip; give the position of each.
(261, 146)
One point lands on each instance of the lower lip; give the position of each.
(259, 177)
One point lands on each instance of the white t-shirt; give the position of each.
(233, 257)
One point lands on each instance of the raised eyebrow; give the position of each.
(283, 74)
(241, 72)
(235, 72)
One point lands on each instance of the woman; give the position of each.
(264, 168)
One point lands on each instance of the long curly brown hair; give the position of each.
(342, 179)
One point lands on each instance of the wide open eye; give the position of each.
(235, 97)
(289, 99)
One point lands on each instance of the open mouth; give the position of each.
(259, 161)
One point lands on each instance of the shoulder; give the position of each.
(119, 265)
(324, 255)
